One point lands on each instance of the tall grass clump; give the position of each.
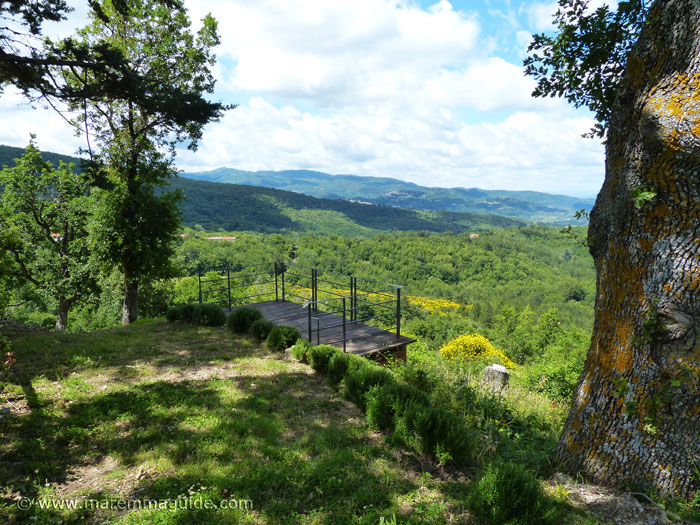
(240, 319)
(507, 493)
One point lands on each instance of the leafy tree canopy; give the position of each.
(585, 59)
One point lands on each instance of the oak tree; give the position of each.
(134, 138)
(635, 416)
(44, 213)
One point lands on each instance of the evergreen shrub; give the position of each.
(240, 319)
(388, 401)
(360, 377)
(208, 314)
(301, 350)
(507, 493)
(436, 430)
(195, 313)
(319, 357)
(281, 337)
(261, 328)
(337, 367)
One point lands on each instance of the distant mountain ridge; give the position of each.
(233, 207)
(531, 206)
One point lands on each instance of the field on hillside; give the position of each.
(180, 414)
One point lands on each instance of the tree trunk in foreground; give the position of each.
(131, 301)
(62, 315)
(635, 417)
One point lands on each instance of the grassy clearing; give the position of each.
(198, 417)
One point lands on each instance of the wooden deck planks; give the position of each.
(362, 339)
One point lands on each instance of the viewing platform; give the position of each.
(360, 316)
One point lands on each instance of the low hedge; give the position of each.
(393, 405)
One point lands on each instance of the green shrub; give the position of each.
(415, 375)
(385, 402)
(281, 337)
(507, 493)
(173, 313)
(320, 355)
(337, 367)
(436, 430)
(240, 319)
(202, 314)
(208, 315)
(362, 375)
(261, 328)
(301, 350)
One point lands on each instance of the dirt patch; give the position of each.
(610, 506)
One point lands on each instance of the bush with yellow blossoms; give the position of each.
(473, 347)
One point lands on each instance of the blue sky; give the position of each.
(430, 92)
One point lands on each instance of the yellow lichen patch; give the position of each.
(646, 244)
(668, 287)
(623, 360)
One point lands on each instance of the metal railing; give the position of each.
(334, 301)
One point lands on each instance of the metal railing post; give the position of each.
(228, 278)
(318, 331)
(199, 280)
(314, 287)
(276, 275)
(352, 298)
(309, 308)
(284, 270)
(398, 312)
(344, 334)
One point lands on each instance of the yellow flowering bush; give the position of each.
(439, 306)
(473, 347)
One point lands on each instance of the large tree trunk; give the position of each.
(62, 315)
(131, 300)
(635, 417)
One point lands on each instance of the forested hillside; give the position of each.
(216, 206)
(531, 206)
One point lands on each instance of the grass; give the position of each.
(194, 414)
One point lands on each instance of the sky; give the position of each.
(428, 92)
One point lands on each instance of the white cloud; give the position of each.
(20, 120)
(374, 87)
(541, 14)
(523, 151)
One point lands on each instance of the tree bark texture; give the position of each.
(62, 315)
(635, 417)
(131, 301)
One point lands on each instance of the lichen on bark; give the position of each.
(635, 417)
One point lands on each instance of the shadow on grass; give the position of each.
(271, 441)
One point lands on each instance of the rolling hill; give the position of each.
(231, 207)
(240, 207)
(530, 206)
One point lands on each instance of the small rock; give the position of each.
(495, 378)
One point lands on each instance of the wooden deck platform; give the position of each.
(361, 339)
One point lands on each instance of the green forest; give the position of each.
(546, 375)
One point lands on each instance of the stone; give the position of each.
(495, 378)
